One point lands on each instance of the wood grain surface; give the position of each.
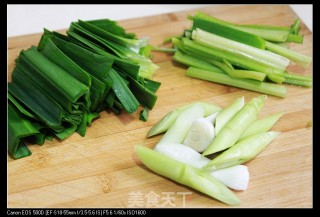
(101, 169)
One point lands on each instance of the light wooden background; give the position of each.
(101, 170)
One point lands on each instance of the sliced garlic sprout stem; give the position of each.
(179, 130)
(182, 153)
(236, 177)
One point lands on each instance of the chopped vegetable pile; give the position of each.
(252, 57)
(234, 135)
(61, 85)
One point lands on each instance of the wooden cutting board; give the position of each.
(101, 169)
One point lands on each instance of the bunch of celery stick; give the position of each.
(252, 57)
(231, 136)
(61, 85)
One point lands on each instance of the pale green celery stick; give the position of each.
(276, 78)
(283, 44)
(233, 129)
(193, 61)
(169, 39)
(290, 75)
(295, 38)
(254, 75)
(228, 64)
(267, 34)
(290, 78)
(167, 121)
(224, 65)
(295, 27)
(263, 31)
(186, 175)
(243, 151)
(260, 56)
(179, 130)
(228, 32)
(164, 49)
(261, 125)
(266, 27)
(298, 82)
(227, 113)
(201, 51)
(236, 73)
(248, 84)
(290, 54)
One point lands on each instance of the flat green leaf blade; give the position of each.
(143, 95)
(18, 128)
(95, 64)
(229, 32)
(125, 65)
(19, 106)
(121, 90)
(53, 53)
(151, 85)
(58, 83)
(107, 35)
(35, 99)
(113, 27)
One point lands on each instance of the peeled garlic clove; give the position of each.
(201, 135)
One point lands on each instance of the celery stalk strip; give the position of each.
(237, 73)
(290, 54)
(275, 35)
(258, 86)
(271, 33)
(220, 53)
(229, 32)
(260, 56)
(193, 61)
